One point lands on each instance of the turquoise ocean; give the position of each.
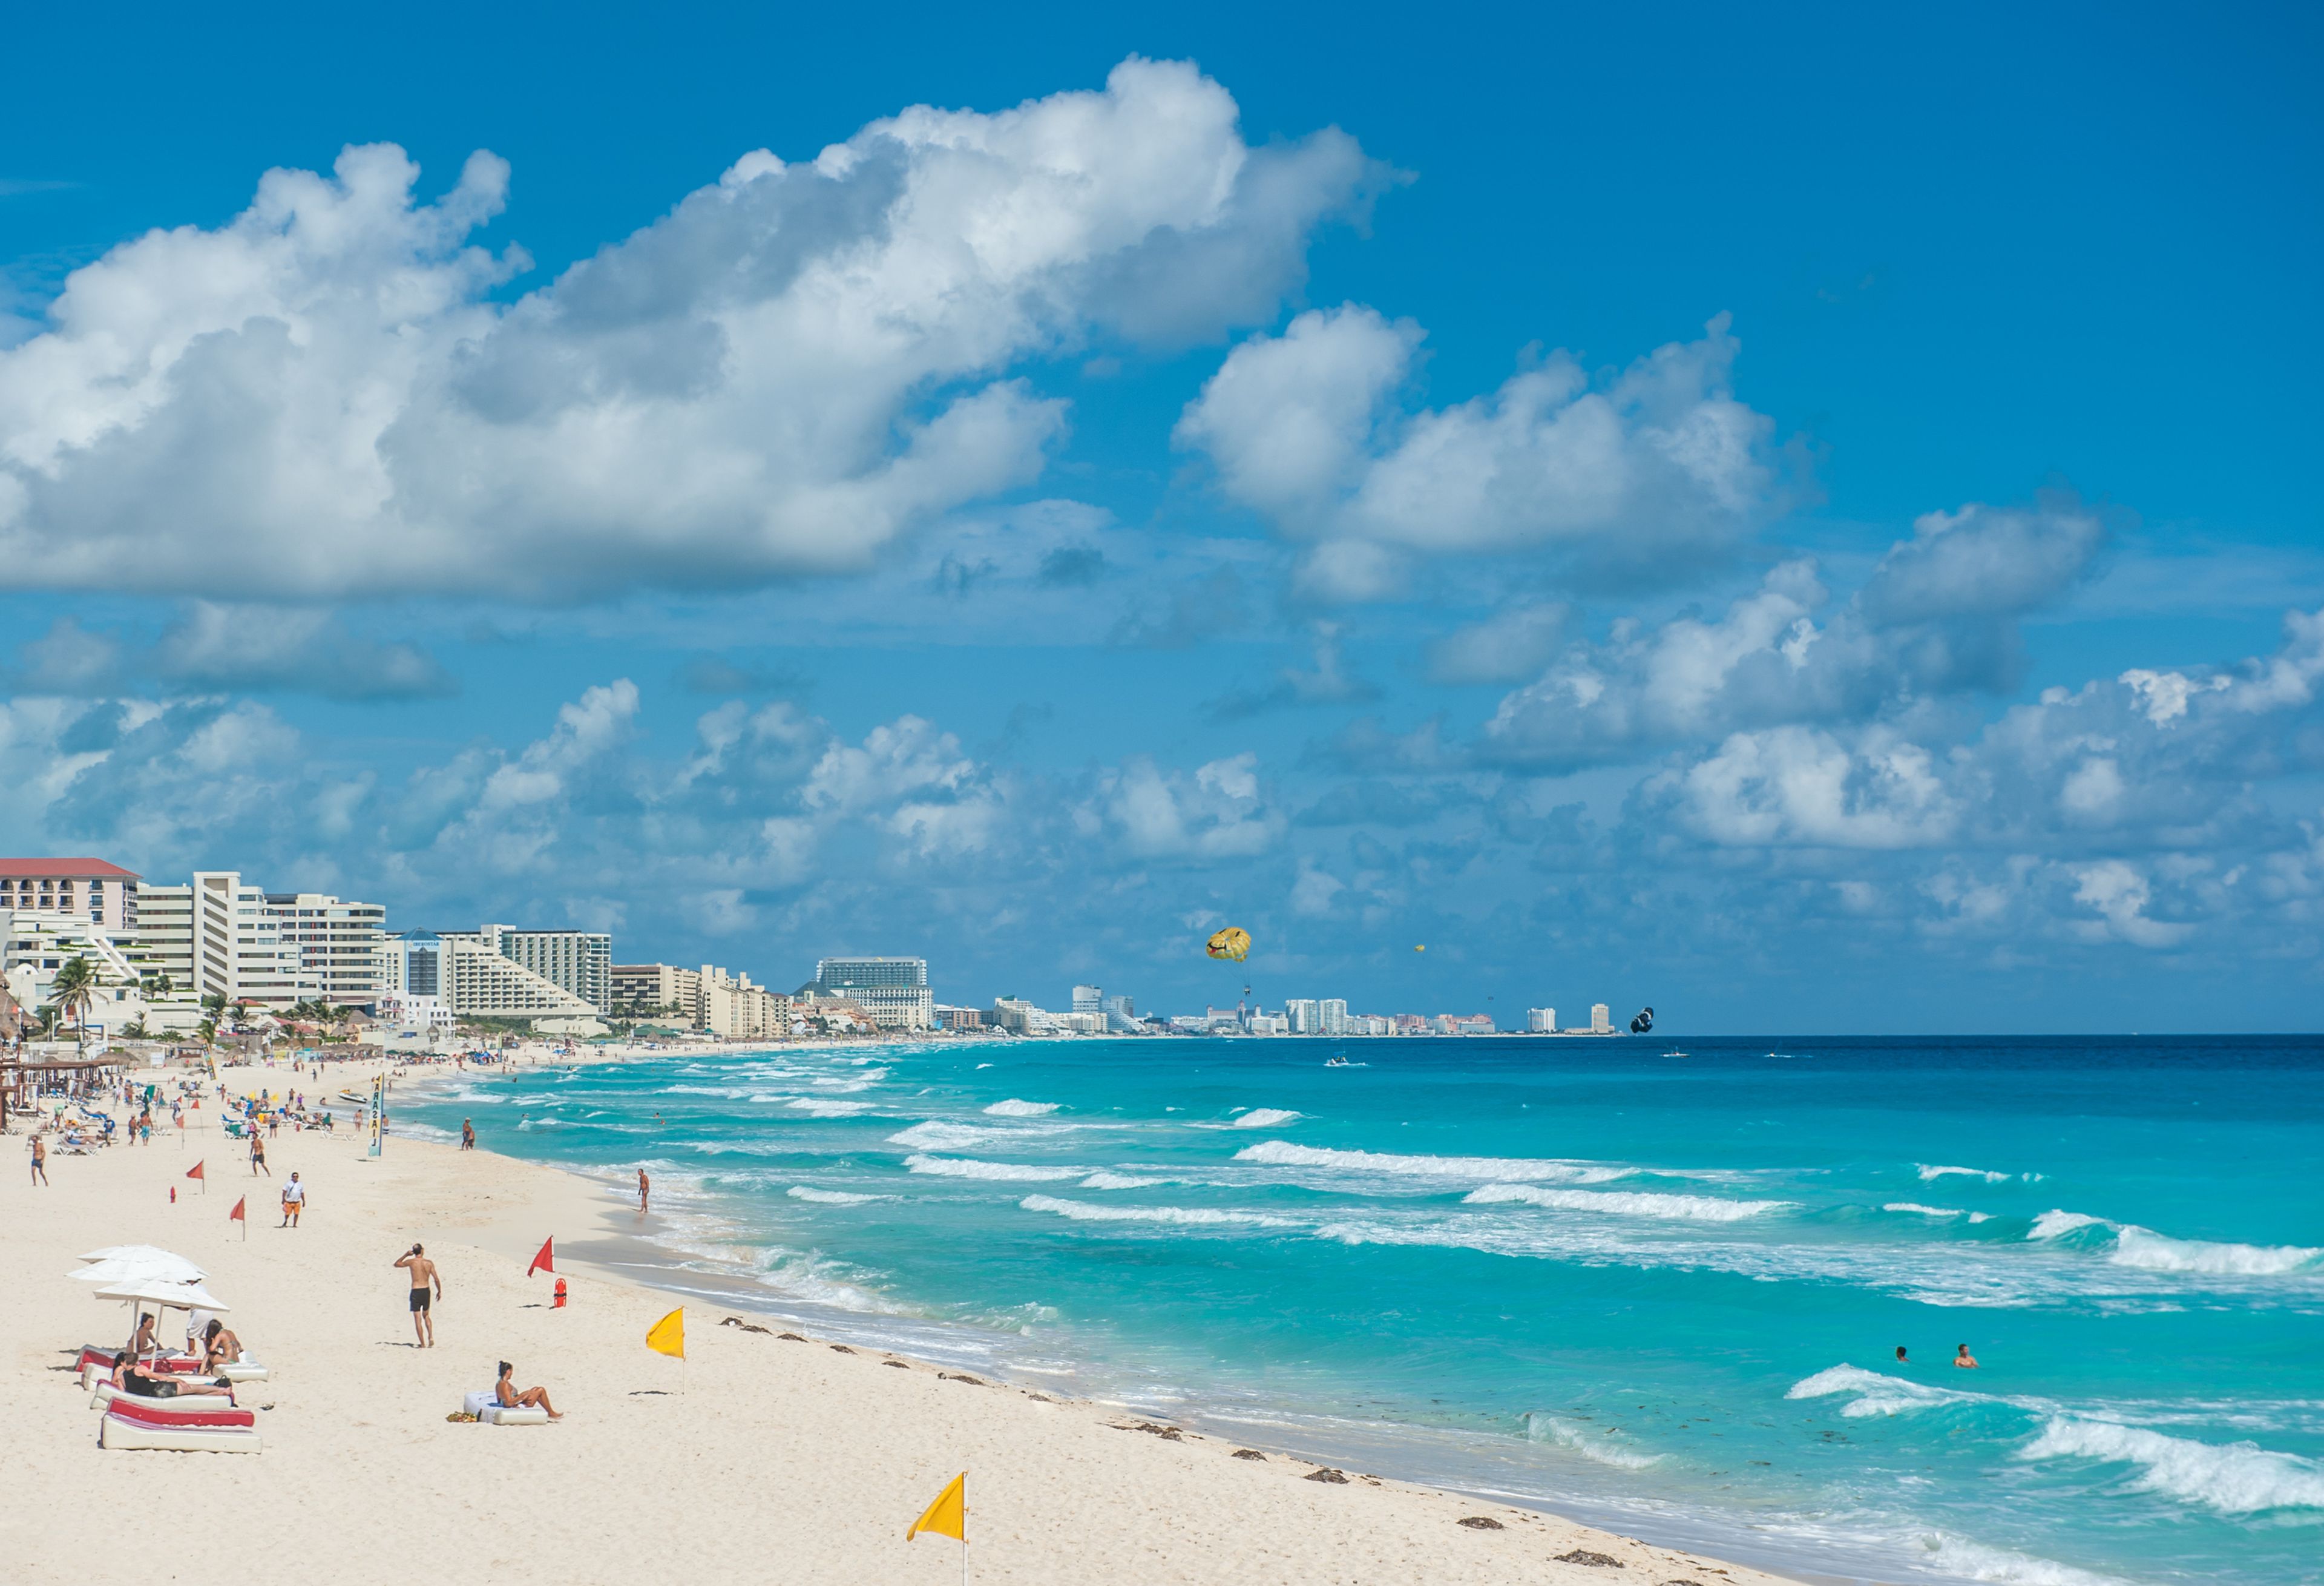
(1662, 1292)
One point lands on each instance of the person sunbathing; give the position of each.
(129, 1377)
(220, 1347)
(505, 1393)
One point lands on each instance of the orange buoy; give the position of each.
(557, 1304)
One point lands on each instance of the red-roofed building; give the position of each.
(102, 893)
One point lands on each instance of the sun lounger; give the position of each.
(201, 1409)
(105, 1394)
(96, 1362)
(121, 1431)
(514, 1416)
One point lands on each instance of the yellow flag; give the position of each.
(667, 1336)
(948, 1516)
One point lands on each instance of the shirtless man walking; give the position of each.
(645, 1188)
(423, 1273)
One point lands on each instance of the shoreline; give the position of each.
(666, 1263)
(807, 1457)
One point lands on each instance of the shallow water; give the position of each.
(1661, 1292)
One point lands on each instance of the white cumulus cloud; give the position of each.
(796, 364)
(1307, 428)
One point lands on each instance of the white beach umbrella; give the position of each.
(127, 1253)
(155, 1291)
(159, 1264)
(162, 1294)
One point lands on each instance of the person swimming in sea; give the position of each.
(1964, 1360)
(1900, 1355)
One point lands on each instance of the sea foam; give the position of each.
(816, 1107)
(936, 1135)
(1930, 1174)
(1014, 1109)
(1874, 1394)
(1589, 1443)
(1187, 1216)
(970, 1167)
(2150, 1251)
(1623, 1203)
(1489, 1169)
(2143, 1248)
(828, 1197)
(2234, 1479)
(1267, 1118)
(1103, 1180)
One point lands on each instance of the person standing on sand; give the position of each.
(258, 1155)
(39, 1158)
(467, 1135)
(645, 1186)
(294, 1201)
(423, 1316)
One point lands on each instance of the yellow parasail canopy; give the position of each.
(1420, 946)
(1233, 943)
(948, 1516)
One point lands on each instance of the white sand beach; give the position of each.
(776, 1460)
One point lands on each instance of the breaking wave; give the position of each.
(936, 1135)
(1014, 1109)
(816, 1107)
(1930, 1174)
(1189, 1216)
(1875, 1394)
(1103, 1180)
(1589, 1443)
(1267, 1118)
(1623, 1203)
(970, 1167)
(2233, 1479)
(1484, 1169)
(829, 1197)
(2150, 1251)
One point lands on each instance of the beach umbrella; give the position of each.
(163, 1295)
(126, 1252)
(159, 1264)
(155, 1291)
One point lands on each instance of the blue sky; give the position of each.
(1808, 523)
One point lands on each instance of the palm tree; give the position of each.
(207, 1030)
(73, 989)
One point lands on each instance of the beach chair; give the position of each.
(482, 1407)
(119, 1431)
(200, 1410)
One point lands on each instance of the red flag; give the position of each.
(236, 1215)
(196, 1172)
(541, 1262)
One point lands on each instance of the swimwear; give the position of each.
(418, 1299)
